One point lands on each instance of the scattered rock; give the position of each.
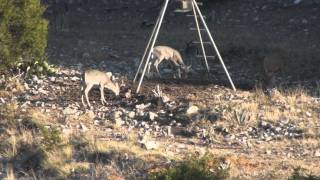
(74, 78)
(152, 116)
(181, 146)
(43, 91)
(268, 152)
(119, 122)
(35, 78)
(317, 153)
(131, 114)
(2, 101)
(90, 114)
(83, 127)
(278, 129)
(52, 79)
(149, 145)
(143, 106)
(212, 117)
(66, 131)
(263, 124)
(69, 111)
(128, 94)
(26, 86)
(192, 110)
(116, 115)
(96, 122)
(140, 112)
(308, 114)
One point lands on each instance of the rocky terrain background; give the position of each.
(258, 134)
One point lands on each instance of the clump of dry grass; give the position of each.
(10, 173)
(10, 86)
(207, 167)
(260, 97)
(245, 113)
(29, 144)
(57, 161)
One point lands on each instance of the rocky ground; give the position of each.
(279, 129)
(259, 133)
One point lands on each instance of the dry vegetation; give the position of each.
(248, 134)
(34, 144)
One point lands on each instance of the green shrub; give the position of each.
(23, 35)
(204, 168)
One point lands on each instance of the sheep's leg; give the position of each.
(179, 73)
(86, 92)
(156, 65)
(178, 66)
(103, 100)
(148, 71)
(82, 94)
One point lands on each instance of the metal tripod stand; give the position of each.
(152, 40)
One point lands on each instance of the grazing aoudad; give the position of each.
(160, 53)
(272, 65)
(102, 79)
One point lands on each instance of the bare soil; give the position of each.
(245, 33)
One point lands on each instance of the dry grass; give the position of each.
(59, 160)
(40, 118)
(247, 111)
(272, 114)
(262, 166)
(260, 97)
(62, 158)
(130, 146)
(4, 94)
(10, 173)
(285, 104)
(12, 85)
(25, 137)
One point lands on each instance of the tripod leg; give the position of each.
(200, 36)
(152, 45)
(148, 45)
(214, 45)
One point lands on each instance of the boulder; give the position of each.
(152, 116)
(192, 110)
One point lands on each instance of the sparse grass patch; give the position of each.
(272, 114)
(300, 174)
(298, 98)
(260, 97)
(14, 85)
(207, 167)
(57, 161)
(4, 93)
(245, 113)
(10, 173)
(8, 112)
(85, 118)
(29, 143)
(278, 96)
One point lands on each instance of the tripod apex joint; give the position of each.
(187, 5)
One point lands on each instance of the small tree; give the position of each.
(23, 35)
